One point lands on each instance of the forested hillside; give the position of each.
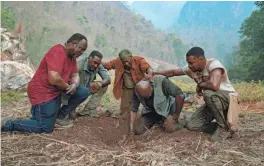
(109, 26)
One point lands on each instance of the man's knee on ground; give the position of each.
(47, 128)
(192, 127)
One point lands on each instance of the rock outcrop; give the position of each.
(16, 68)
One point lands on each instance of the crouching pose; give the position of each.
(218, 93)
(162, 101)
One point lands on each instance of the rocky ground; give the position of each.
(104, 141)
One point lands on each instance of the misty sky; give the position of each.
(162, 14)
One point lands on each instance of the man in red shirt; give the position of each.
(56, 74)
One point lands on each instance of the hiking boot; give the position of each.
(209, 128)
(4, 120)
(64, 123)
(73, 115)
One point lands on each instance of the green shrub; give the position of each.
(8, 19)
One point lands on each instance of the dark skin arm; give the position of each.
(179, 104)
(96, 85)
(214, 82)
(109, 65)
(133, 117)
(105, 82)
(170, 73)
(133, 111)
(54, 78)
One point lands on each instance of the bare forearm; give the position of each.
(75, 80)
(168, 73)
(208, 85)
(214, 82)
(59, 82)
(179, 104)
(105, 82)
(54, 78)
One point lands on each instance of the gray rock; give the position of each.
(15, 42)
(14, 75)
(5, 45)
(5, 37)
(10, 35)
(3, 30)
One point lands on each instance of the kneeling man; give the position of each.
(162, 101)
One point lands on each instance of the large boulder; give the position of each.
(14, 75)
(12, 48)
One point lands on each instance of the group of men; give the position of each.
(60, 85)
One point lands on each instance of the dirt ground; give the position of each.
(103, 141)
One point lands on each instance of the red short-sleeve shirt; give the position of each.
(39, 90)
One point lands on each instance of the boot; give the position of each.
(4, 120)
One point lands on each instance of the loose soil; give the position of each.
(105, 141)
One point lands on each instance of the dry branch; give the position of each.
(136, 161)
(198, 143)
(61, 163)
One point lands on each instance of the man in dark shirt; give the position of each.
(162, 101)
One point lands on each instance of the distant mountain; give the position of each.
(224, 15)
(161, 14)
(212, 25)
(109, 26)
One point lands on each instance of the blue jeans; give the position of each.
(44, 114)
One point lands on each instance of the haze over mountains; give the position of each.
(161, 13)
(211, 25)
